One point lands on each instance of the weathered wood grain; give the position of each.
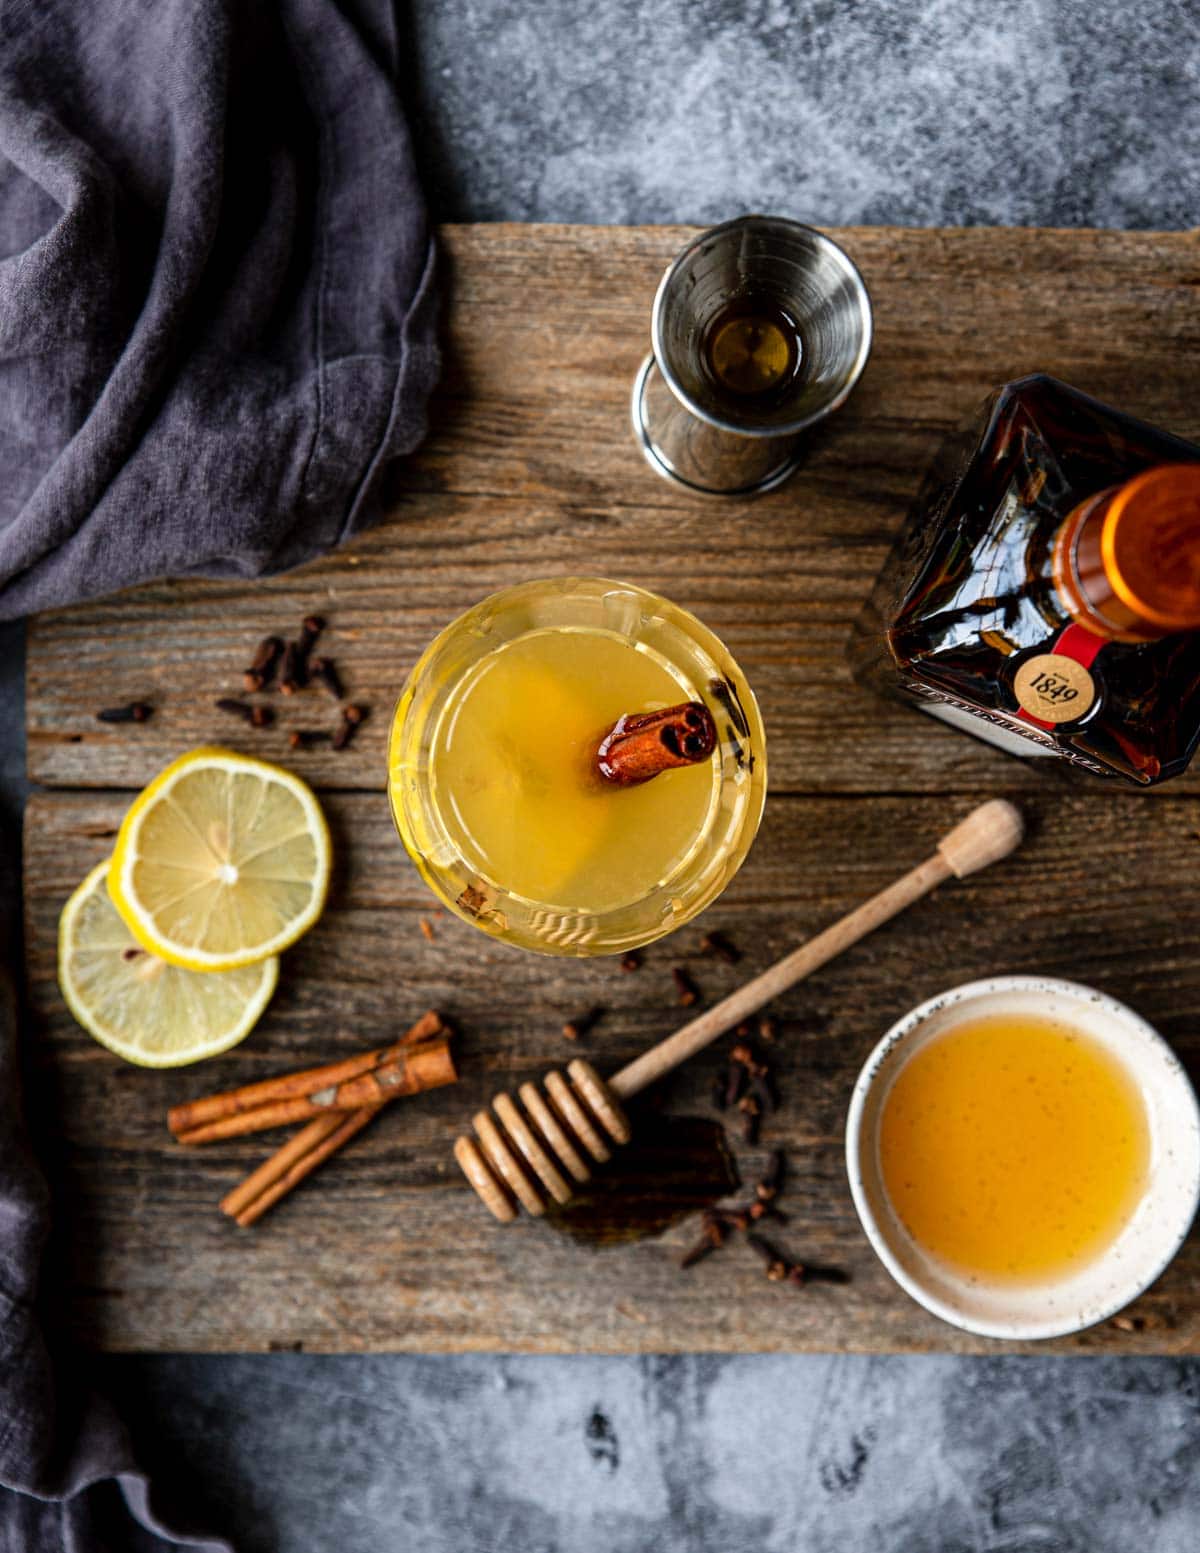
(531, 470)
(387, 1248)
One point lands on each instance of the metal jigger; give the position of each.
(688, 430)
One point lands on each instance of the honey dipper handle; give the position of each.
(987, 834)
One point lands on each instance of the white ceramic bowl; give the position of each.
(1145, 1246)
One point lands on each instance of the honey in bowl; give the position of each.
(1014, 1149)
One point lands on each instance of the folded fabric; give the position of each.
(217, 313)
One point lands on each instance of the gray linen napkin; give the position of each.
(216, 331)
(216, 298)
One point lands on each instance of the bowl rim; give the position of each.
(901, 1032)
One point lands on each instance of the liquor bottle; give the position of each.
(1044, 592)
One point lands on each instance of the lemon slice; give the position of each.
(137, 1005)
(221, 861)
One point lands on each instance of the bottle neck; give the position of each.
(1126, 561)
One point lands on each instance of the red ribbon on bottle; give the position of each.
(1073, 641)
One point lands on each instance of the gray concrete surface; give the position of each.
(951, 111)
(792, 1454)
(1018, 112)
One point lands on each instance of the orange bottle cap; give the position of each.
(1150, 546)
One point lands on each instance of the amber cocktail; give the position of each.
(577, 766)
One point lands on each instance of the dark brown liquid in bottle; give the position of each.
(968, 594)
(751, 349)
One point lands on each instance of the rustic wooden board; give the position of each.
(388, 1248)
(530, 470)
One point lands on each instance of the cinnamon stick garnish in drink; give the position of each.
(643, 745)
(200, 1114)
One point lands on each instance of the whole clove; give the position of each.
(735, 1084)
(725, 693)
(751, 1118)
(631, 961)
(131, 953)
(689, 993)
(293, 675)
(717, 944)
(770, 1183)
(352, 718)
(262, 670)
(256, 716)
(324, 670)
(132, 712)
(697, 1253)
(310, 628)
(781, 1268)
(575, 1028)
(713, 1236)
(778, 1266)
(762, 1087)
(295, 672)
(305, 738)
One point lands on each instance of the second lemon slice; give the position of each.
(137, 1005)
(222, 861)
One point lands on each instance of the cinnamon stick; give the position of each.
(289, 1165)
(213, 1108)
(423, 1065)
(639, 747)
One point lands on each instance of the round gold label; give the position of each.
(1054, 687)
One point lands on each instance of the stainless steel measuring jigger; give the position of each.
(695, 429)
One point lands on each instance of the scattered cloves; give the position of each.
(689, 993)
(735, 1083)
(352, 718)
(713, 1235)
(132, 712)
(295, 672)
(751, 1118)
(770, 1183)
(310, 628)
(632, 961)
(262, 670)
(131, 953)
(293, 675)
(575, 1028)
(256, 716)
(777, 1265)
(762, 1087)
(305, 738)
(718, 944)
(324, 670)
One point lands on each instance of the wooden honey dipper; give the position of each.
(531, 1155)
